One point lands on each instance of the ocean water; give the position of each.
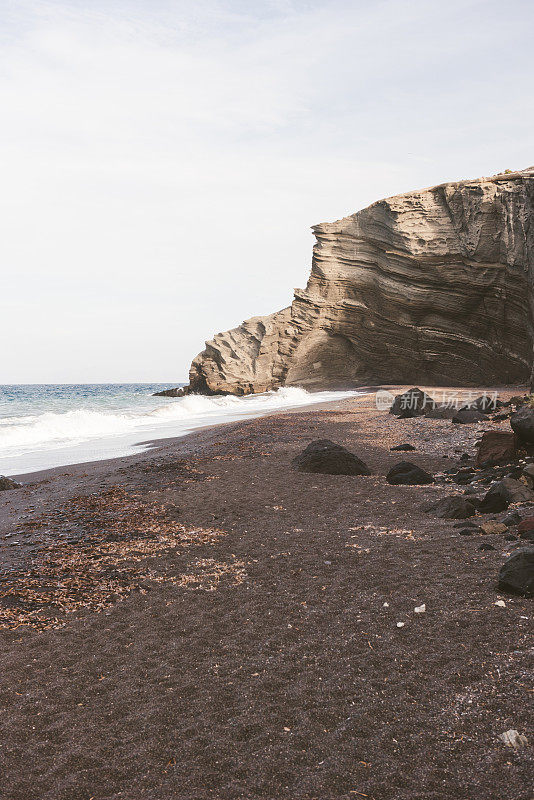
(44, 426)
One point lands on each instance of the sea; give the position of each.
(48, 425)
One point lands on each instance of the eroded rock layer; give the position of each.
(434, 287)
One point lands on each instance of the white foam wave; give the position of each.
(195, 404)
(55, 430)
(69, 426)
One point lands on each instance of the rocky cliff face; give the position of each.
(434, 287)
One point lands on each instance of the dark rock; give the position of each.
(511, 519)
(517, 491)
(465, 525)
(517, 400)
(403, 447)
(408, 474)
(486, 546)
(471, 490)
(517, 573)
(514, 472)
(495, 500)
(464, 476)
(328, 458)
(486, 403)
(496, 447)
(412, 403)
(7, 483)
(454, 507)
(526, 529)
(506, 491)
(465, 457)
(440, 412)
(528, 473)
(522, 423)
(466, 416)
(170, 393)
(501, 417)
(466, 532)
(511, 538)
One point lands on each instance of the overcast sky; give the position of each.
(163, 160)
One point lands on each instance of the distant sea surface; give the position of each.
(47, 425)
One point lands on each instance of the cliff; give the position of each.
(434, 287)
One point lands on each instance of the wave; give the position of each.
(194, 404)
(59, 429)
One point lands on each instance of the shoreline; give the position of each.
(223, 626)
(153, 444)
(150, 439)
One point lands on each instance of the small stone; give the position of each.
(400, 624)
(420, 609)
(8, 483)
(513, 738)
(493, 527)
(486, 546)
(385, 605)
(500, 603)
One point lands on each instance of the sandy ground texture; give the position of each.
(202, 621)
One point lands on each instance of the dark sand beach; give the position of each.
(203, 621)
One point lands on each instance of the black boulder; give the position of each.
(522, 423)
(466, 416)
(407, 474)
(454, 507)
(412, 403)
(517, 573)
(329, 458)
(495, 500)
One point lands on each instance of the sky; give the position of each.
(162, 161)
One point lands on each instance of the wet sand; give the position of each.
(218, 625)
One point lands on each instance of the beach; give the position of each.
(220, 625)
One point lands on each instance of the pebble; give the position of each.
(513, 738)
(400, 624)
(420, 609)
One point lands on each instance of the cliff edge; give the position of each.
(433, 286)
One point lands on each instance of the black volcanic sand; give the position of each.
(261, 660)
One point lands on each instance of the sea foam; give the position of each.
(84, 433)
